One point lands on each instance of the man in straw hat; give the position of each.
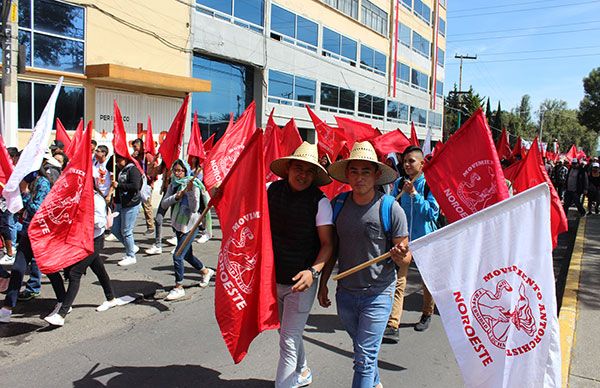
(364, 299)
(302, 233)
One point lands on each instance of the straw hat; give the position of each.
(51, 160)
(305, 153)
(362, 151)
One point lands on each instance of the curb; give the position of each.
(568, 311)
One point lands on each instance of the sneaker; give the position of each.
(57, 307)
(5, 315)
(127, 260)
(55, 320)
(176, 293)
(27, 295)
(391, 335)
(7, 260)
(172, 241)
(204, 238)
(423, 324)
(4, 282)
(111, 237)
(149, 232)
(154, 250)
(136, 249)
(107, 304)
(206, 277)
(303, 381)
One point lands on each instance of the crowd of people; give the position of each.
(575, 181)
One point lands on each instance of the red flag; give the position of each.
(334, 188)
(532, 173)
(227, 150)
(581, 155)
(393, 141)
(438, 147)
(290, 138)
(511, 171)
(208, 144)
(330, 140)
(170, 149)
(465, 176)
(149, 146)
(503, 147)
(120, 139)
(272, 147)
(519, 150)
(355, 130)
(571, 153)
(245, 295)
(6, 165)
(76, 143)
(414, 140)
(61, 134)
(195, 146)
(62, 230)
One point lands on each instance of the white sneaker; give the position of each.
(55, 320)
(204, 238)
(7, 260)
(136, 249)
(107, 304)
(4, 282)
(206, 277)
(154, 250)
(172, 241)
(127, 260)
(57, 307)
(176, 293)
(5, 315)
(111, 237)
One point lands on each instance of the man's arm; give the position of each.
(304, 279)
(323, 292)
(399, 251)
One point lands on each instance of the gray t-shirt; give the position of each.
(361, 238)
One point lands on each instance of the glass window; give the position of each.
(407, 3)
(349, 48)
(25, 14)
(374, 17)
(69, 105)
(284, 87)
(373, 60)
(403, 112)
(57, 53)
(423, 11)
(24, 99)
(442, 26)
(421, 45)
(58, 18)
(403, 73)
(364, 102)
(366, 56)
(419, 80)
(249, 10)
(379, 61)
(305, 90)
(349, 7)
(330, 95)
(283, 21)
(347, 99)
(25, 40)
(440, 57)
(371, 105)
(439, 88)
(281, 85)
(392, 110)
(224, 6)
(307, 31)
(331, 41)
(404, 33)
(379, 106)
(418, 116)
(435, 120)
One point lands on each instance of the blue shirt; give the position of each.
(421, 212)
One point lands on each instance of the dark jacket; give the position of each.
(582, 179)
(128, 189)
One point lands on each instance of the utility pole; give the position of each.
(10, 48)
(460, 91)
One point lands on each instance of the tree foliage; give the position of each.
(460, 107)
(589, 107)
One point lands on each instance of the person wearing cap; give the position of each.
(302, 234)
(364, 299)
(57, 146)
(577, 185)
(559, 178)
(594, 188)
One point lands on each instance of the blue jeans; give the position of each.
(364, 317)
(14, 227)
(123, 225)
(186, 255)
(22, 259)
(34, 284)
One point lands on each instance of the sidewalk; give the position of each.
(580, 312)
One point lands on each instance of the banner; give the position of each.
(492, 279)
(170, 149)
(245, 294)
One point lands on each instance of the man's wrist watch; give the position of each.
(314, 272)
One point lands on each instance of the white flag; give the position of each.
(33, 153)
(427, 142)
(492, 278)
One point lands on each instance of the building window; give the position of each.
(442, 26)
(440, 57)
(407, 4)
(372, 60)
(435, 119)
(418, 116)
(336, 99)
(339, 46)
(292, 28)
(370, 106)
(421, 45)
(443, 3)
(53, 35)
(403, 73)
(404, 33)
(422, 11)
(374, 17)
(397, 112)
(288, 89)
(419, 80)
(439, 88)
(245, 13)
(349, 7)
(32, 99)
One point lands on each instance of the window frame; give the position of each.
(238, 21)
(338, 108)
(418, 12)
(370, 114)
(290, 101)
(369, 10)
(340, 57)
(372, 69)
(294, 39)
(416, 49)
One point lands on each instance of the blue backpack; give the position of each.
(385, 211)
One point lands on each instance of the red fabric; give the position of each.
(6, 165)
(393, 141)
(120, 138)
(245, 294)
(76, 143)
(571, 153)
(438, 147)
(149, 145)
(170, 149)
(414, 140)
(195, 146)
(62, 230)
(355, 130)
(581, 155)
(228, 149)
(465, 176)
(519, 150)
(532, 173)
(334, 188)
(511, 171)
(272, 147)
(290, 138)
(61, 134)
(330, 140)
(208, 144)
(503, 147)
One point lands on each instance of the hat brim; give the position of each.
(52, 161)
(279, 168)
(338, 171)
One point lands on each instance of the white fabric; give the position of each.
(427, 143)
(491, 273)
(33, 153)
(324, 213)
(102, 176)
(99, 215)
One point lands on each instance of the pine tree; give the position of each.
(497, 123)
(488, 111)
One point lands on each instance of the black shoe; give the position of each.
(391, 335)
(26, 295)
(423, 324)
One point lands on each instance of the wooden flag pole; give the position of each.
(362, 266)
(191, 232)
(411, 181)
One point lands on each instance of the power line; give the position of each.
(526, 28)
(533, 59)
(538, 51)
(497, 6)
(523, 35)
(522, 10)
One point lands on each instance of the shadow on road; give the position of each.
(589, 295)
(163, 376)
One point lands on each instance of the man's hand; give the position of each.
(400, 254)
(115, 184)
(323, 296)
(409, 187)
(303, 281)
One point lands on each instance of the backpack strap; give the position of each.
(338, 204)
(385, 214)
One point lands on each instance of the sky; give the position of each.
(541, 48)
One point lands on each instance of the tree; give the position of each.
(497, 121)
(461, 105)
(488, 111)
(589, 107)
(562, 124)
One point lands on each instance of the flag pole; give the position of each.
(411, 181)
(191, 232)
(362, 266)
